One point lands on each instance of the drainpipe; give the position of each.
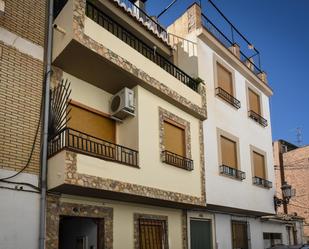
(45, 126)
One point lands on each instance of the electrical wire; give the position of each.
(4, 179)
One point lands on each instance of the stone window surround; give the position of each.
(165, 115)
(263, 153)
(228, 135)
(217, 59)
(253, 89)
(56, 208)
(138, 216)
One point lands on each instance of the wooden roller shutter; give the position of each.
(254, 102)
(152, 234)
(229, 152)
(225, 79)
(174, 139)
(239, 235)
(92, 124)
(259, 165)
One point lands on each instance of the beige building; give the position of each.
(130, 160)
(292, 166)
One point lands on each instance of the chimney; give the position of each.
(140, 3)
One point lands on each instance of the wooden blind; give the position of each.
(228, 152)
(239, 235)
(259, 165)
(152, 234)
(254, 102)
(225, 79)
(92, 124)
(174, 139)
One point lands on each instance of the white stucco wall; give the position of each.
(19, 214)
(221, 190)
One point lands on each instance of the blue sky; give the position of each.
(279, 29)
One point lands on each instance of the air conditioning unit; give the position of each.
(122, 104)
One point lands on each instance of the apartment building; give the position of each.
(237, 135)
(22, 36)
(291, 166)
(129, 160)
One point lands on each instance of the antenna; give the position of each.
(299, 136)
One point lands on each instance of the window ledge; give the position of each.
(232, 173)
(177, 160)
(257, 118)
(263, 183)
(228, 98)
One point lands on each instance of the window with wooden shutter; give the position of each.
(92, 123)
(229, 152)
(254, 102)
(259, 165)
(174, 138)
(239, 235)
(225, 79)
(152, 234)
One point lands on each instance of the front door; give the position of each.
(200, 234)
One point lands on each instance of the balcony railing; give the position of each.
(177, 160)
(258, 118)
(126, 36)
(232, 172)
(80, 142)
(227, 97)
(262, 182)
(226, 42)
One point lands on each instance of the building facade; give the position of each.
(237, 134)
(22, 38)
(291, 166)
(133, 136)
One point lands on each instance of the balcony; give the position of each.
(130, 39)
(232, 172)
(101, 43)
(262, 182)
(177, 160)
(258, 118)
(80, 142)
(227, 97)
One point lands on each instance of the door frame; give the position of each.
(203, 216)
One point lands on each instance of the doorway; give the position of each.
(200, 234)
(81, 233)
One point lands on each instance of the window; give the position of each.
(152, 234)
(225, 79)
(228, 152)
(272, 239)
(240, 235)
(259, 165)
(174, 138)
(92, 123)
(254, 102)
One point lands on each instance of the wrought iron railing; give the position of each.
(126, 36)
(232, 172)
(83, 143)
(226, 42)
(177, 160)
(258, 118)
(262, 182)
(227, 97)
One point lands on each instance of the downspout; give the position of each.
(45, 126)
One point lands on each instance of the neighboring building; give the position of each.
(22, 36)
(122, 178)
(238, 142)
(292, 166)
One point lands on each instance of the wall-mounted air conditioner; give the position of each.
(122, 104)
